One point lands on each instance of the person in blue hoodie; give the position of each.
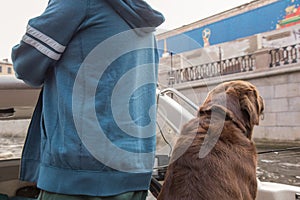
(92, 133)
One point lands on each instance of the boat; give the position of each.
(19, 101)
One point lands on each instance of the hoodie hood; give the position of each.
(138, 14)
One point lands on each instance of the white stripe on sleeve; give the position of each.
(46, 39)
(41, 48)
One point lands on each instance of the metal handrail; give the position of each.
(180, 95)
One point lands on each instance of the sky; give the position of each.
(15, 14)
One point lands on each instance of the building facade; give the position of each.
(6, 68)
(258, 42)
(249, 19)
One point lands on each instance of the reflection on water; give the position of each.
(279, 167)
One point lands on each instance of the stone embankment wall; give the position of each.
(276, 73)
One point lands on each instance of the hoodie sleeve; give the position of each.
(46, 38)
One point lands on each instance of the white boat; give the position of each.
(18, 100)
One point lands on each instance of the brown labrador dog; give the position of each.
(215, 157)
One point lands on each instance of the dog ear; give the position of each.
(252, 105)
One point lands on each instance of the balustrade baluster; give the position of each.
(251, 63)
(243, 64)
(285, 55)
(294, 53)
(277, 57)
(271, 52)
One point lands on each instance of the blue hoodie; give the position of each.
(93, 128)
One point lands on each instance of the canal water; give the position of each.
(11, 146)
(275, 166)
(279, 162)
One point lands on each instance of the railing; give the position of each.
(276, 57)
(284, 55)
(180, 95)
(214, 69)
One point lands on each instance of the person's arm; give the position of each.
(46, 39)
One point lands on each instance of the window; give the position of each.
(9, 70)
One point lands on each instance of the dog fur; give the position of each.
(215, 157)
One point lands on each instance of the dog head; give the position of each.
(239, 101)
